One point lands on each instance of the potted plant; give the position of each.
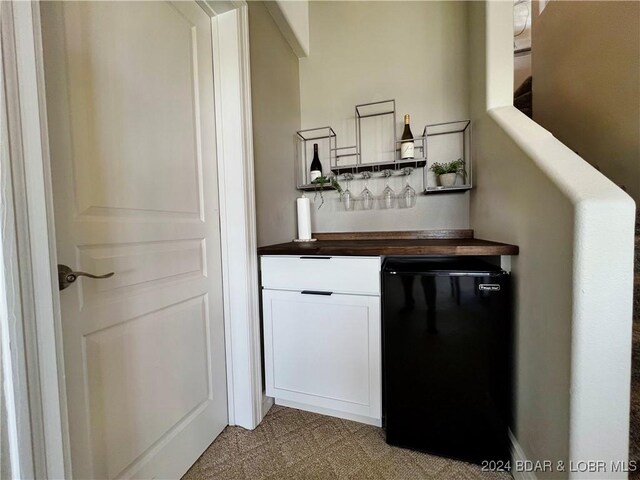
(320, 182)
(448, 172)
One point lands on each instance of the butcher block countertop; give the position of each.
(423, 242)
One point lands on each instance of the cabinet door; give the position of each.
(323, 351)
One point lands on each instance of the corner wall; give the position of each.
(586, 88)
(574, 275)
(275, 97)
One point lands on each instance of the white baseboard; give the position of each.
(267, 403)
(518, 457)
(329, 412)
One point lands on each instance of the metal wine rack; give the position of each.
(377, 150)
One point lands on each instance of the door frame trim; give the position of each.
(32, 295)
(31, 290)
(236, 183)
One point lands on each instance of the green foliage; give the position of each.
(321, 182)
(456, 166)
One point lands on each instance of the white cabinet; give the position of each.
(323, 347)
(351, 275)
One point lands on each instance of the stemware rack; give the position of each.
(377, 150)
(388, 199)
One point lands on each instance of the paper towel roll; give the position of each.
(304, 218)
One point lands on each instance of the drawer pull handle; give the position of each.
(315, 292)
(315, 257)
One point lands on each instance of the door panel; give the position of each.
(332, 341)
(133, 74)
(131, 127)
(145, 376)
(140, 264)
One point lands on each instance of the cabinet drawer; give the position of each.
(324, 351)
(355, 275)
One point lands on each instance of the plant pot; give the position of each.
(447, 179)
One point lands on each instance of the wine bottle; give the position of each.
(406, 147)
(316, 166)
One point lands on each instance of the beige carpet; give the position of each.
(292, 444)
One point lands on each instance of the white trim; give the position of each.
(45, 451)
(222, 194)
(35, 308)
(518, 458)
(237, 216)
(267, 403)
(252, 279)
(376, 422)
(505, 263)
(15, 389)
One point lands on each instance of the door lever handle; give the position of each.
(66, 276)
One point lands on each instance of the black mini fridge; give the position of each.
(446, 349)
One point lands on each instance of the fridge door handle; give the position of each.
(315, 292)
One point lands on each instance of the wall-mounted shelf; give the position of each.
(432, 190)
(312, 187)
(377, 147)
(446, 142)
(346, 156)
(325, 137)
(377, 150)
(379, 167)
(376, 132)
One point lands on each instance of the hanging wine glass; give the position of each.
(407, 197)
(348, 200)
(388, 197)
(366, 196)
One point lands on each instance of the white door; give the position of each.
(131, 129)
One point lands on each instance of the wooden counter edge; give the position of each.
(346, 250)
(397, 235)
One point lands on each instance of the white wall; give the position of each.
(275, 95)
(415, 52)
(292, 18)
(586, 88)
(573, 277)
(297, 14)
